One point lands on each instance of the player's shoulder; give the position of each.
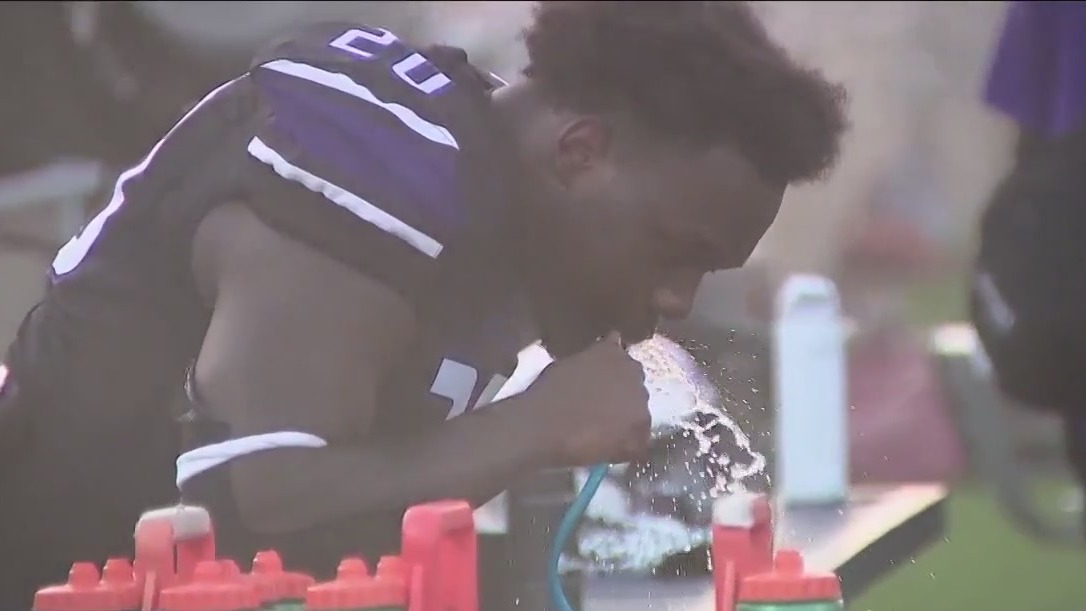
(356, 58)
(385, 141)
(334, 42)
(347, 95)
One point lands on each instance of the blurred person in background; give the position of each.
(120, 73)
(1028, 291)
(340, 253)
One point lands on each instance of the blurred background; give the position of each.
(89, 87)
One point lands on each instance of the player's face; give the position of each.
(646, 227)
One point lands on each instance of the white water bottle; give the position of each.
(810, 386)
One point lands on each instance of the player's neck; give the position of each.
(527, 119)
(529, 123)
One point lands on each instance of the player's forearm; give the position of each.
(474, 456)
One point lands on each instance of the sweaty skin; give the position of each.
(308, 356)
(672, 213)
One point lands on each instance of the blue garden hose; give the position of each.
(566, 528)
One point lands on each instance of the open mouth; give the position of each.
(638, 332)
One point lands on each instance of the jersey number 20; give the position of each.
(413, 69)
(365, 43)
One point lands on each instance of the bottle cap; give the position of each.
(353, 588)
(118, 588)
(355, 592)
(230, 569)
(352, 567)
(273, 583)
(72, 595)
(741, 509)
(392, 565)
(788, 582)
(116, 591)
(215, 586)
(395, 568)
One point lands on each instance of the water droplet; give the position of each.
(703, 461)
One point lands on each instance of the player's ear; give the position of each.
(583, 144)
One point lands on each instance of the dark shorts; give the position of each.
(67, 495)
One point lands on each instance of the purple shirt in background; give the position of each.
(1038, 76)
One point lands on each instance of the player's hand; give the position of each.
(593, 406)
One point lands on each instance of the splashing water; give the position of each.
(650, 511)
(672, 373)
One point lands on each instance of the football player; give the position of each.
(340, 253)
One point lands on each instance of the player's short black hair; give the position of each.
(702, 72)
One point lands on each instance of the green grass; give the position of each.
(984, 564)
(937, 299)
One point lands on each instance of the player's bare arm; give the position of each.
(299, 342)
(404, 224)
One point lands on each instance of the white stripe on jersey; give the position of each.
(342, 82)
(198, 460)
(75, 250)
(345, 199)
